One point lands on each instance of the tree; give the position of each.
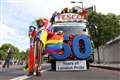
(23, 55)
(118, 18)
(103, 28)
(108, 27)
(2, 54)
(4, 48)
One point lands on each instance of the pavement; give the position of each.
(107, 66)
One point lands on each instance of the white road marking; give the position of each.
(21, 77)
(25, 76)
(45, 70)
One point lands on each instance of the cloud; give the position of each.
(108, 6)
(10, 35)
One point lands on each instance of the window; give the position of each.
(70, 29)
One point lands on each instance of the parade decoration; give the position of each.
(54, 38)
(82, 55)
(54, 47)
(64, 56)
(75, 47)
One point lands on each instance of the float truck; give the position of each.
(76, 37)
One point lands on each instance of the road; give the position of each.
(92, 74)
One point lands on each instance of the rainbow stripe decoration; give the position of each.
(55, 43)
(42, 35)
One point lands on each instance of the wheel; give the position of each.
(53, 65)
(91, 58)
(88, 64)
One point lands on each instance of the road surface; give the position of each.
(92, 74)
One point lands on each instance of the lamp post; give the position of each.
(93, 27)
(78, 2)
(97, 43)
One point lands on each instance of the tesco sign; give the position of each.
(68, 17)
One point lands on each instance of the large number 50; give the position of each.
(75, 48)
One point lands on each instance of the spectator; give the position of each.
(8, 58)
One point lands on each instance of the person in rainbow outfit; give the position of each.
(39, 34)
(46, 40)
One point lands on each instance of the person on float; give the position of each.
(52, 20)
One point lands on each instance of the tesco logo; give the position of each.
(69, 17)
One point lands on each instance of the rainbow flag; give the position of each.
(55, 39)
(55, 43)
(42, 36)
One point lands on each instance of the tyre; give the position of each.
(91, 58)
(88, 64)
(53, 65)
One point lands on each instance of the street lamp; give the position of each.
(78, 2)
(93, 27)
(97, 42)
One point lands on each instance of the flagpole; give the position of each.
(82, 3)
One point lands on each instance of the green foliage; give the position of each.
(108, 27)
(2, 54)
(118, 17)
(15, 51)
(24, 55)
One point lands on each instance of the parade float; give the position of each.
(73, 50)
(67, 43)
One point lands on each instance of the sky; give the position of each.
(17, 15)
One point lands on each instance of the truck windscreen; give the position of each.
(70, 29)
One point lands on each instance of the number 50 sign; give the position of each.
(75, 49)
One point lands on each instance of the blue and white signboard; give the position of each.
(71, 65)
